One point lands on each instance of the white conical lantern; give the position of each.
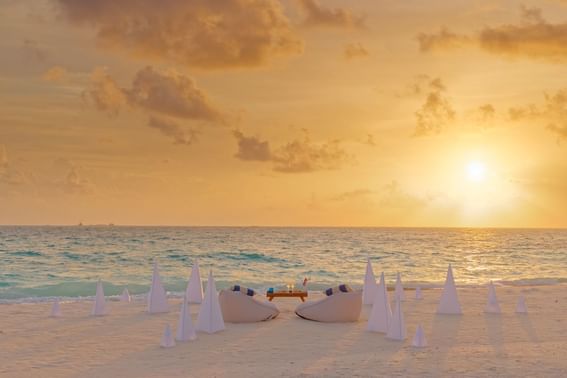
(419, 338)
(194, 290)
(418, 293)
(492, 306)
(210, 318)
(125, 296)
(521, 307)
(99, 306)
(381, 313)
(369, 287)
(157, 298)
(56, 309)
(399, 292)
(185, 328)
(167, 340)
(397, 326)
(449, 303)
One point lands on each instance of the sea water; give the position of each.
(38, 263)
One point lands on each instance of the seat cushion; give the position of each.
(237, 307)
(337, 308)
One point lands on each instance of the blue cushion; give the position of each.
(243, 290)
(343, 288)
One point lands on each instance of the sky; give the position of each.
(387, 113)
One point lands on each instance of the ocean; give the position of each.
(39, 263)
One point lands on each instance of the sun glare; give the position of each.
(476, 171)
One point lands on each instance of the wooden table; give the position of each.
(295, 294)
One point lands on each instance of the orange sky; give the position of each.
(292, 112)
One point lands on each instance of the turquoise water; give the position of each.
(41, 262)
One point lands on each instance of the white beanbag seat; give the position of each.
(337, 308)
(238, 307)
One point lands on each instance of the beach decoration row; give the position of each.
(382, 318)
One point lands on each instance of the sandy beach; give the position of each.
(126, 342)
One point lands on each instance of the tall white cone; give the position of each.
(418, 293)
(449, 303)
(185, 328)
(419, 338)
(56, 310)
(369, 287)
(210, 318)
(397, 326)
(125, 296)
(167, 340)
(381, 312)
(194, 290)
(157, 298)
(99, 305)
(492, 306)
(399, 293)
(521, 307)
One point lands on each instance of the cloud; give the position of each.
(299, 155)
(354, 194)
(105, 93)
(436, 112)
(553, 112)
(33, 51)
(533, 37)
(9, 175)
(392, 195)
(251, 148)
(355, 50)
(443, 40)
(171, 94)
(172, 129)
(55, 74)
(319, 16)
(197, 33)
(74, 183)
(486, 113)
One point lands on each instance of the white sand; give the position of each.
(126, 342)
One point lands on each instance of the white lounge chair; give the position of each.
(238, 307)
(337, 308)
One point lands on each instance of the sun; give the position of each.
(476, 171)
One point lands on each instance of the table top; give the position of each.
(287, 294)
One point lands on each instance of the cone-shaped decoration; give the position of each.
(492, 306)
(99, 305)
(521, 307)
(194, 290)
(210, 316)
(449, 303)
(418, 293)
(419, 338)
(55, 310)
(369, 288)
(167, 340)
(125, 296)
(157, 298)
(381, 312)
(397, 326)
(399, 293)
(185, 328)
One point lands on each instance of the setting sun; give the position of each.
(476, 171)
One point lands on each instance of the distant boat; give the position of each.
(80, 224)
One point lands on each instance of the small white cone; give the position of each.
(399, 293)
(418, 293)
(492, 306)
(210, 318)
(521, 307)
(449, 303)
(194, 290)
(185, 328)
(167, 340)
(56, 310)
(369, 287)
(125, 296)
(99, 305)
(157, 298)
(419, 338)
(397, 326)
(381, 313)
